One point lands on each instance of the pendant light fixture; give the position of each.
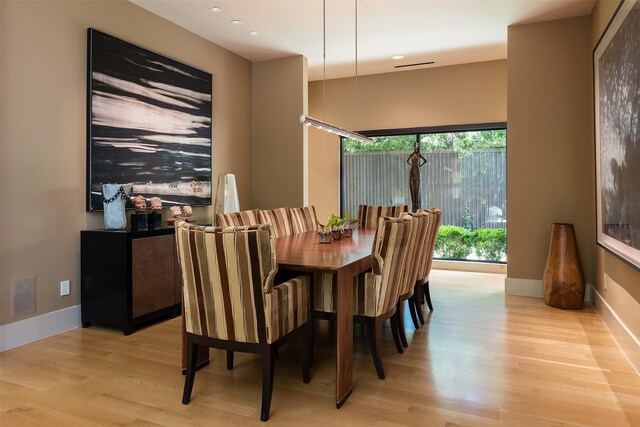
(321, 124)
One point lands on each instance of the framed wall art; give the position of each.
(148, 124)
(616, 62)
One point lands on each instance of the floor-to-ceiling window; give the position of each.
(463, 173)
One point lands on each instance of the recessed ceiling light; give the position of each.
(236, 22)
(397, 57)
(215, 9)
(254, 33)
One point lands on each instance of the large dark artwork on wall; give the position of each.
(617, 108)
(148, 123)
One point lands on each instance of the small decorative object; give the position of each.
(563, 279)
(324, 233)
(114, 197)
(349, 225)
(187, 214)
(154, 218)
(337, 226)
(176, 212)
(139, 218)
(226, 195)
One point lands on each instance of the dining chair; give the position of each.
(303, 219)
(280, 220)
(422, 282)
(248, 217)
(368, 214)
(415, 248)
(375, 293)
(231, 302)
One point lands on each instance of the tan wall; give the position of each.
(550, 163)
(43, 84)
(460, 94)
(279, 140)
(623, 294)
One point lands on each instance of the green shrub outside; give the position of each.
(490, 243)
(454, 242)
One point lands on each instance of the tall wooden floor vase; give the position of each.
(563, 278)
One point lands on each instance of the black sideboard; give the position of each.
(128, 277)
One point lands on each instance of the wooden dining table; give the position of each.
(346, 259)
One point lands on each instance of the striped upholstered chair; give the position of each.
(415, 249)
(250, 217)
(422, 282)
(231, 303)
(376, 292)
(303, 219)
(280, 220)
(369, 214)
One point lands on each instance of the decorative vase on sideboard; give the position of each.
(563, 278)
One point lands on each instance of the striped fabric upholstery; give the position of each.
(376, 292)
(280, 220)
(369, 214)
(251, 217)
(324, 292)
(434, 225)
(416, 249)
(303, 219)
(228, 290)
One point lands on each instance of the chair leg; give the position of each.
(417, 291)
(413, 312)
(427, 295)
(229, 359)
(401, 331)
(268, 364)
(306, 350)
(374, 339)
(394, 331)
(192, 354)
(312, 338)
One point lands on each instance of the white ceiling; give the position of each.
(445, 31)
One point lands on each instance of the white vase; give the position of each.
(114, 199)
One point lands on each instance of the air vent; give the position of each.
(417, 64)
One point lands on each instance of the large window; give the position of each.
(465, 176)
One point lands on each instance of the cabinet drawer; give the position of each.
(153, 274)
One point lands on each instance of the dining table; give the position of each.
(346, 258)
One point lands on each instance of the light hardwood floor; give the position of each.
(482, 359)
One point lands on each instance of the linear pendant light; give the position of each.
(309, 121)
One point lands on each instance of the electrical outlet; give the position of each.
(64, 288)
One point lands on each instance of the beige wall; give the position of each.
(460, 94)
(42, 129)
(550, 166)
(279, 146)
(622, 293)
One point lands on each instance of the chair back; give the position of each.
(435, 218)
(388, 257)
(416, 249)
(303, 219)
(249, 217)
(227, 275)
(280, 220)
(369, 214)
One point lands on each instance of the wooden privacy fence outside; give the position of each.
(470, 188)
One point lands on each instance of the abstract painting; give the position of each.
(148, 124)
(617, 116)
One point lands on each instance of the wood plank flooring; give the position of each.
(483, 359)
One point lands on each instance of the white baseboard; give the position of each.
(36, 328)
(524, 287)
(626, 340)
(478, 267)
